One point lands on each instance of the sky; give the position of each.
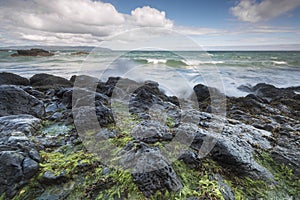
(165, 24)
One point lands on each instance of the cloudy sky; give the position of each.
(117, 23)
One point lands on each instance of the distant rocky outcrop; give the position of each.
(32, 52)
(79, 53)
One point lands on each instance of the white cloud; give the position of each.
(252, 11)
(147, 16)
(93, 21)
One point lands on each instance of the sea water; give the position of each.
(176, 71)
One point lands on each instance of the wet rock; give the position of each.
(12, 79)
(89, 118)
(30, 167)
(84, 81)
(224, 188)
(289, 156)
(37, 94)
(26, 124)
(191, 159)
(18, 155)
(150, 170)
(45, 81)
(49, 178)
(208, 98)
(16, 101)
(32, 52)
(76, 97)
(151, 132)
(11, 173)
(56, 116)
(233, 147)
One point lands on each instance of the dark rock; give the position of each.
(79, 53)
(57, 116)
(224, 188)
(49, 178)
(289, 156)
(49, 81)
(16, 101)
(37, 94)
(151, 132)
(11, 173)
(105, 133)
(26, 124)
(12, 79)
(32, 52)
(149, 97)
(191, 159)
(232, 147)
(18, 155)
(209, 99)
(83, 81)
(89, 118)
(30, 167)
(150, 170)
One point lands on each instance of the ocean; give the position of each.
(177, 71)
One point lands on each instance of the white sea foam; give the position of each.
(279, 62)
(156, 61)
(199, 62)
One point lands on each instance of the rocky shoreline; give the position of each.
(49, 148)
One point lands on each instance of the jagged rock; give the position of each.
(191, 159)
(289, 156)
(89, 118)
(151, 132)
(150, 170)
(84, 81)
(49, 178)
(49, 81)
(37, 94)
(231, 147)
(18, 155)
(224, 188)
(32, 52)
(208, 98)
(12, 79)
(16, 101)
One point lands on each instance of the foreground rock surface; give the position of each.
(19, 156)
(153, 146)
(15, 101)
(12, 79)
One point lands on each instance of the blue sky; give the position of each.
(130, 23)
(189, 13)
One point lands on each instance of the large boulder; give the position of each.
(151, 171)
(19, 157)
(16, 101)
(49, 81)
(32, 52)
(150, 131)
(12, 79)
(209, 98)
(232, 147)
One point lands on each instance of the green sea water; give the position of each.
(230, 68)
